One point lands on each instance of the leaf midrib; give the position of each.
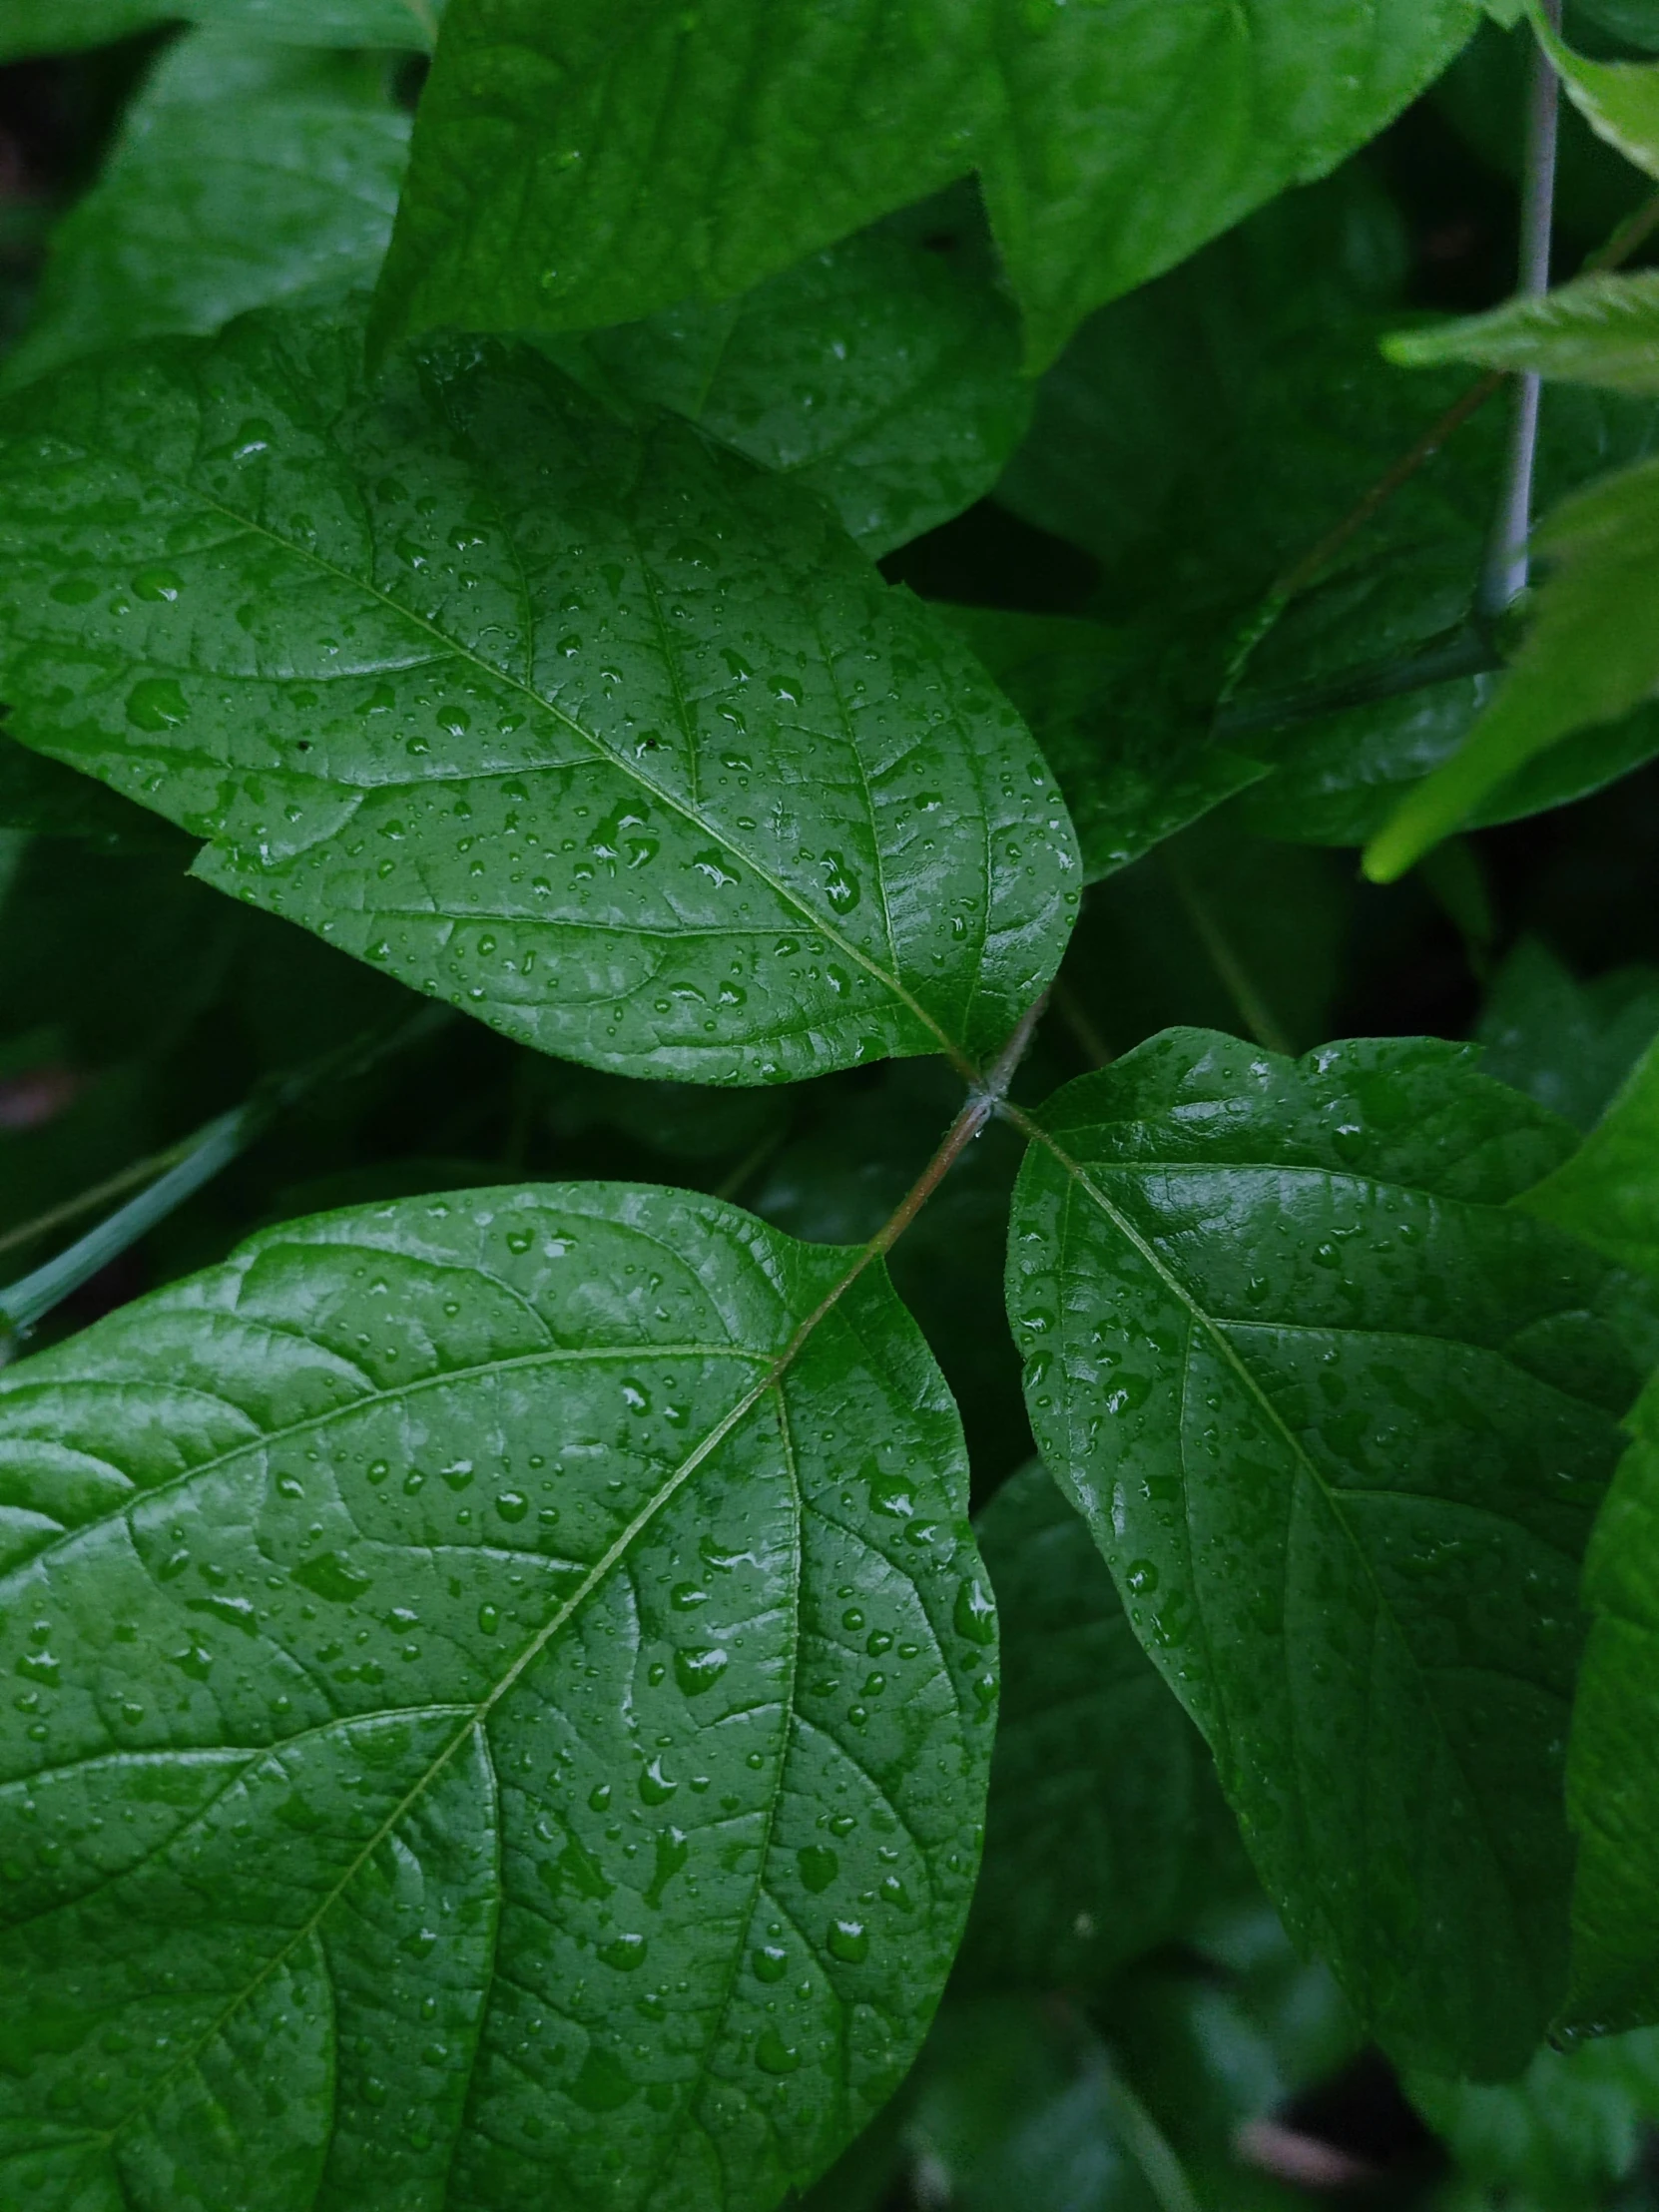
(465, 653)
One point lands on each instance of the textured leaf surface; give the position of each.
(883, 372)
(697, 153)
(244, 174)
(1564, 2134)
(1599, 331)
(1104, 1813)
(592, 730)
(1590, 656)
(1338, 1418)
(1608, 1192)
(56, 26)
(1115, 715)
(443, 1767)
(1613, 1756)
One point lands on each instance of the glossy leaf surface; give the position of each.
(590, 729)
(1599, 331)
(1104, 1814)
(442, 1769)
(53, 26)
(1338, 1418)
(244, 174)
(700, 153)
(883, 373)
(1590, 655)
(1613, 1756)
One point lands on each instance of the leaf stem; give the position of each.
(1505, 576)
(86, 1202)
(1148, 2145)
(1254, 1011)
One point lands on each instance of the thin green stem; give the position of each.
(1254, 1011)
(88, 1201)
(1148, 2145)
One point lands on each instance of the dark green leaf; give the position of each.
(696, 153)
(592, 730)
(1608, 1192)
(1590, 655)
(440, 1764)
(1104, 1815)
(1567, 1045)
(1119, 721)
(883, 372)
(41, 795)
(244, 174)
(52, 26)
(1562, 2135)
(1338, 1418)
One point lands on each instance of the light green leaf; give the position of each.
(1564, 2134)
(697, 152)
(1120, 719)
(1565, 1043)
(1608, 1192)
(244, 174)
(1590, 655)
(1338, 1418)
(1104, 1814)
(59, 26)
(1618, 100)
(882, 372)
(1600, 330)
(439, 1765)
(589, 728)
(1614, 1756)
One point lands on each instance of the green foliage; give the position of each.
(527, 1726)
(770, 587)
(1323, 1401)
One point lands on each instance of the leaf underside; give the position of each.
(1340, 1418)
(589, 728)
(445, 1769)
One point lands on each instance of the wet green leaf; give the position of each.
(1104, 1817)
(1339, 1417)
(244, 174)
(883, 373)
(441, 1760)
(54, 26)
(697, 151)
(590, 729)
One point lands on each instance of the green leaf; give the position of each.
(39, 794)
(1567, 1045)
(1104, 1815)
(1613, 1755)
(1119, 720)
(244, 174)
(1564, 2134)
(59, 26)
(438, 1765)
(1619, 100)
(588, 728)
(1608, 1192)
(1600, 330)
(696, 153)
(1338, 1418)
(883, 372)
(1590, 653)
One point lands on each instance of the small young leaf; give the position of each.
(1563, 2135)
(1119, 721)
(244, 174)
(589, 728)
(1104, 1813)
(1338, 1418)
(1567, 1045)
(1590, 655)
(1608, 1192)
(1614, 1756)
(58, 26)
(1600, 330)
(883, 372)
(700, 152)
(446, 1760)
